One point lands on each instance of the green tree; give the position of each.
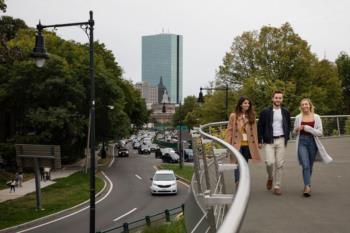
(277, 58)
(51, 105)
(3, 6)
(343, 65)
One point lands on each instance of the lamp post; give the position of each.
(40, 55)
(201, 98)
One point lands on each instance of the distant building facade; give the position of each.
(148, 92)
(162, 62)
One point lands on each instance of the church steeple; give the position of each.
(161, 90)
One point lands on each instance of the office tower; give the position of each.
(162, 58)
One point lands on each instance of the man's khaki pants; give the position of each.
(274, 154)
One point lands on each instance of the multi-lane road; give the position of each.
(128, 199)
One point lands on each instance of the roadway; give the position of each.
(129, 200)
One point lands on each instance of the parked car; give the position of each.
(164, 181)
(123, 152)
(188, 155)
(144, 149)
(170, 157)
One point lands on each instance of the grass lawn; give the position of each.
(186, 171)
(65, 193)
(176, 226)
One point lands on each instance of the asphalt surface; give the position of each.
(326, 211)
(129, 200)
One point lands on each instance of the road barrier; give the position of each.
(166, 216)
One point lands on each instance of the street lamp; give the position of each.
(201, 97)
(40, 55)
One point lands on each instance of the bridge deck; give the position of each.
(327, 210)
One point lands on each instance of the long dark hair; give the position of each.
(250, 112)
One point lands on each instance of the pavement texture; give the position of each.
(326, 211)
(29, 185)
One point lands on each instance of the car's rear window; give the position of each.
(165, 177)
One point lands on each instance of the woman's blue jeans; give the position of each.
(307, 150)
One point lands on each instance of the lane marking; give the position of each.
(122, 216)
(111, 163)
(183, 183)
(155, 167)
(139, 177)
(76, 212)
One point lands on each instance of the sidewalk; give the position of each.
(29, 185)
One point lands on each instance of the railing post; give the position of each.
(196, 152)
(167, 215)
(148, 220)
(338, 126)
(211, 220)
(125, 227)
(206, 171)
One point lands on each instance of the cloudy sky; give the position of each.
(208, 27)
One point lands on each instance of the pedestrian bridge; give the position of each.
(216, 205)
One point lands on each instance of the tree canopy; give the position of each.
(273, 58)
(343, 64)
(50, 105)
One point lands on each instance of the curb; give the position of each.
(57, 214)
(180, 177)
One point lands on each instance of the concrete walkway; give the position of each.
(29, 185)
(326, 211)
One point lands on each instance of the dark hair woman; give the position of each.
(242, 132)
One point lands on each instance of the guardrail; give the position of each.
(146, 221)
(221, 210)
(211, 207)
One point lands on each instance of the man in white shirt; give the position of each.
(273, 131)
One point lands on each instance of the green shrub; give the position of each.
(8, 153)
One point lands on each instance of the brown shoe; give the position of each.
(269, 184)
(307, 191)
(277, 191)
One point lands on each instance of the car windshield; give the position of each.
(163, 177)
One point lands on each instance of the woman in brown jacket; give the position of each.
(242, 132)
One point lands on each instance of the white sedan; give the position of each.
(164, 181)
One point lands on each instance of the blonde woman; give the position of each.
(308, 127)
(242, 132)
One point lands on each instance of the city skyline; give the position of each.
(208, 27)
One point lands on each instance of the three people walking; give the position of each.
(272, 134)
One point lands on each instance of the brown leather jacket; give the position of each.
(234, 135)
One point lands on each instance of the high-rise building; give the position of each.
(162, 58)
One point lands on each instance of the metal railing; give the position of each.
(146, 221)
(334, 125)
(222, 211)
(219, 209)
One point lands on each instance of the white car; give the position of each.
(164, 181)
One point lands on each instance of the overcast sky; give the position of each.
(208, 27)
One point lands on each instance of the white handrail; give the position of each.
(235, 215)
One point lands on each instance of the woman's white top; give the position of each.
(316, 131)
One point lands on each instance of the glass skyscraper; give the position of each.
(162, 57)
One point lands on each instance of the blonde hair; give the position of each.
(312, 106)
